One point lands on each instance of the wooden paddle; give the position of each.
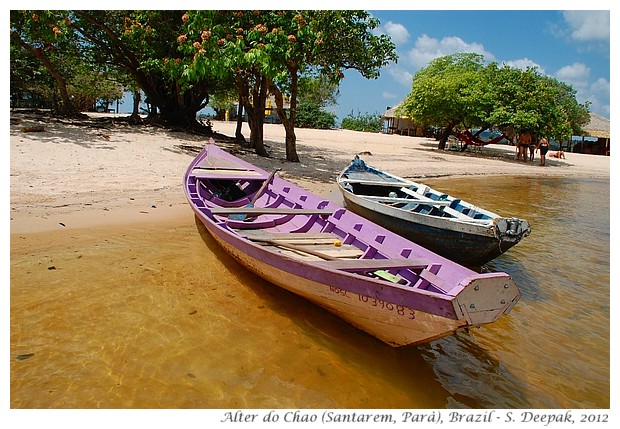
(242, 216)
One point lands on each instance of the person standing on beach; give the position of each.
(543, 145)
(522, 145)
(532, 147)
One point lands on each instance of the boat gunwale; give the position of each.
(426, 219)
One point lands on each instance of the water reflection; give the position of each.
(482, 380)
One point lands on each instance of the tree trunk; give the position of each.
(291, 142)
(256, 134)
(135, 114)
(255, 109)
(444, 136)
(177, 107)
(288, 120)
(238, 135)
(289, 125)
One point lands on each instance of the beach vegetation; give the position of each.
(48, 63)
(31, 85)
(143, 46)
(362, 122)
(135, 49)
(319, 90)
(316, 92)
(312, 115)
(460, 91)
(178, 59)
(45, 36)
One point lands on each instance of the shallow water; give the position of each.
(156, 316)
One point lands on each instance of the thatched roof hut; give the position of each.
(396, 124)
(390, 112)
(597, 127)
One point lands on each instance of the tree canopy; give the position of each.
(459, 92)
(180, 59)
(269, 51)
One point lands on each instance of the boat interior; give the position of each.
(304, 226)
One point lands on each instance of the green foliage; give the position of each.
(275, 48)
(30, 82)
(311, 115)
(459, 91)
(348, 41)
(362, 122)
(47, 37)
(179, 59)
(318, 89)
(445, 92)
(86, 88)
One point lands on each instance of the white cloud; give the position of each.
(397, 32)
(401, 75)
(596, 93)
(588, 25)
(598, 96)
(524, 63)
(388, 95)
(427, 49)
(601, 86)
(577, 75)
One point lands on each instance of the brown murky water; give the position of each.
(156, 316)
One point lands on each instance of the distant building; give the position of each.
(397, 124)
(596, 138)
(271, 115)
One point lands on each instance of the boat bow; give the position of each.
(486, 297)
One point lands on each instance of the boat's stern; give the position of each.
(485, 297)
(512, 230)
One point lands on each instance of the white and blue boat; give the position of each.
(446, 225)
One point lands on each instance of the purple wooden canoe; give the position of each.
(374, 279)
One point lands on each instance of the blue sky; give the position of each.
(571, 46)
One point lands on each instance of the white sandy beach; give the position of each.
(71, 176)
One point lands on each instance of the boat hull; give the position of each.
(393, 324)
(448, 226)
(469, 249)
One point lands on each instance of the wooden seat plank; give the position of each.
(376, 182)
(292, 237)
(436, 281)
(376, 264)
(267, 210)
(228, 174)
(329, 251)
(407, 200)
